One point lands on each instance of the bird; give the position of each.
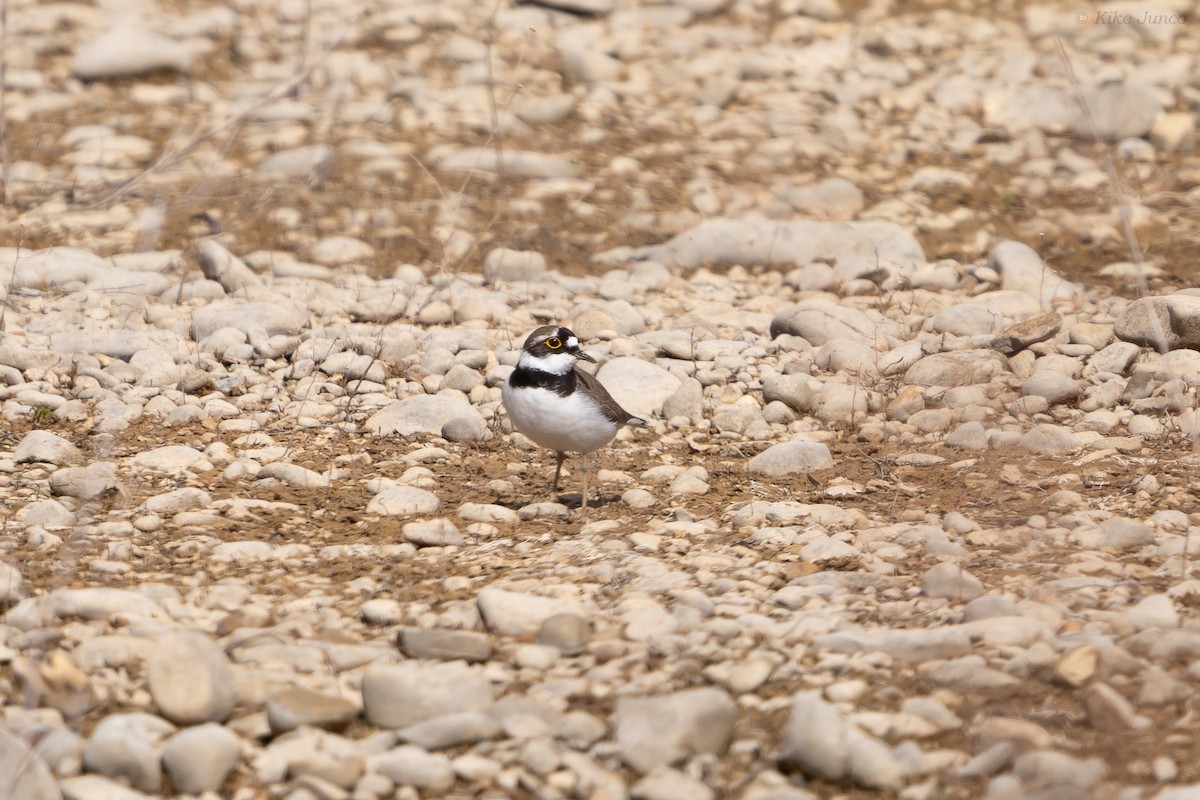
(558, 405)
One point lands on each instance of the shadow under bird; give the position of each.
(558, 405)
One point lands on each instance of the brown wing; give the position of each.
(611, 408)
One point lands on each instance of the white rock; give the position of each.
(125, 747)
(516, 614)
(190, 678)
(127, 50)
(789, 458)
(421, 414)
(639, 386)
(400, 695)
(819, 740)
(47, 447)
(856, 248)
(200, 758)
(658, 731)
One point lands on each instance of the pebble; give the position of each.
(658, 731)
(446, 645)
(299, 707)
(952, 582)
(400, 695)
(125, 747)
(47, 447)
(664, 783)
(789, 458)
(820, 741)
(190, 679)
(516, 614)
(199, 759)
(128, 51)
(30, 776)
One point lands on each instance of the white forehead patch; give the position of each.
(573, 342)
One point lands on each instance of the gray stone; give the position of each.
(173, 502)
(308, 162)
(504, 264)
(26, 775)
(299, 707)
(832, 198)
(422, 413)
(660, 731)
(47, 447)
(1022, 269)
(915, 644)
(403, 501)
(1021, 335)
(1054, 386)
(466, 429)
(567, 632)
(445, 645)
(968, 436)
(125, 747)
(46, 514)
(401, 695)
(516, 163)
(170, 458)
(1115, 358)
(856, 248)
(820, 741)
(93, 603)
(1117, 111)
(516, 614)
(1051, 767)
(433, 533)
(408, 765)
(337, 251)
(1047, 439)
(126, 51)
(1154, 611)
(639, 386)
(664, 783)
(190, 678)
(85, 483)
(956, 368)
(11, 583)
(789, 458)
(687, 401)
(818, 321)
(98, 787)
(451, 730)
(200, 758)
(1108, 710)
(257, 320)
(222, 266)
(1163, 323)
(1122, 533)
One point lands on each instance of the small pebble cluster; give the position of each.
(901, 524)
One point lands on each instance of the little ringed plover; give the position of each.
(558, 405)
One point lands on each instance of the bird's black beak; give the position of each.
(582, 356)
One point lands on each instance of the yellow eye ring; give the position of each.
(554, 343)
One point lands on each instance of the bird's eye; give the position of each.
(554, 343)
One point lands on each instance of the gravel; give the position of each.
(914, 510)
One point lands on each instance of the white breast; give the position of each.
(571, 424)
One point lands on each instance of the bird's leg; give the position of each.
(558, 462)
(584, 467)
